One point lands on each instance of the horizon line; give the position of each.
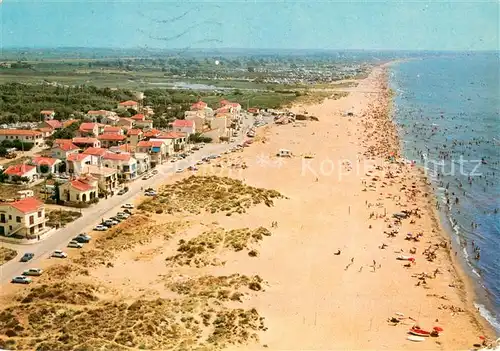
(5, 48)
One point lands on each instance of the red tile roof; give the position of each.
(26, 205)
(87, 127)
(19, 132)
(156, 143)
(125, 148)
(80, 186)
(224, 102)
(47, 112)
(112, 130)
(138, 117)
(180, 123)
(128, 103)
(46, 129)
(19, 170)
(112, 137)
(134, 132)
(116, 157)
(200, 105)
(77, 157)
(48, 161)
(67, 146)
(84, 140)
(54, 123)
(61, 141)
(144, 143)
(95, 151)
(171, 135)
(152, 133)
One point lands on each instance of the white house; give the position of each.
(124, 163)
(23, 217)
(184, 126)
(23, 135)
(21, 170)
(46, 165)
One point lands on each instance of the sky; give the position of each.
(271, 24)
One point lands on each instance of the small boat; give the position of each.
(419, 332)
(405, 258)
(415, 338)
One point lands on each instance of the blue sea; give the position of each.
(447, 113)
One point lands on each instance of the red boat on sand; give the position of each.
(419, 332)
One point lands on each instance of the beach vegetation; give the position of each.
(197, 194)
(6, 254)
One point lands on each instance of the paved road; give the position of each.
(104, 209)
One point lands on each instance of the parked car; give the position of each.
(80, 239)
(116, 219)
(75, 244)
(110, 222)
(122, 191)
(145, 177)
(100, 228)
(21, 280)
(28, 256)
(129, 206)
(128, 211)
(155, 171)
(59, 254)
(150, 193)
(35, 272)
(179, 170)
(122, 215)
(84, 237)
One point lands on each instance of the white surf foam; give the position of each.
(489, 317)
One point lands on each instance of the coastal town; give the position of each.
(105, 156)
(208, 180)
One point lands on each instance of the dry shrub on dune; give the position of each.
(59, 272)
(209, 193)
(55, 321)
(217, 287)
(6, 254)
(61, 292)
(137, 230)
(201, 250)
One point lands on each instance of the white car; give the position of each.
(129, 206)
(179, 170)
(75, 244)
(110, 222)
(122, 215)
(21, 280)
(33, 272)
(100, 228)
(59, 254)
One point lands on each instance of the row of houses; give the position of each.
(212, 123)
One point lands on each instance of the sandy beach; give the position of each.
(317, 267)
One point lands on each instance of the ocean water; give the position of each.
(447, 112)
